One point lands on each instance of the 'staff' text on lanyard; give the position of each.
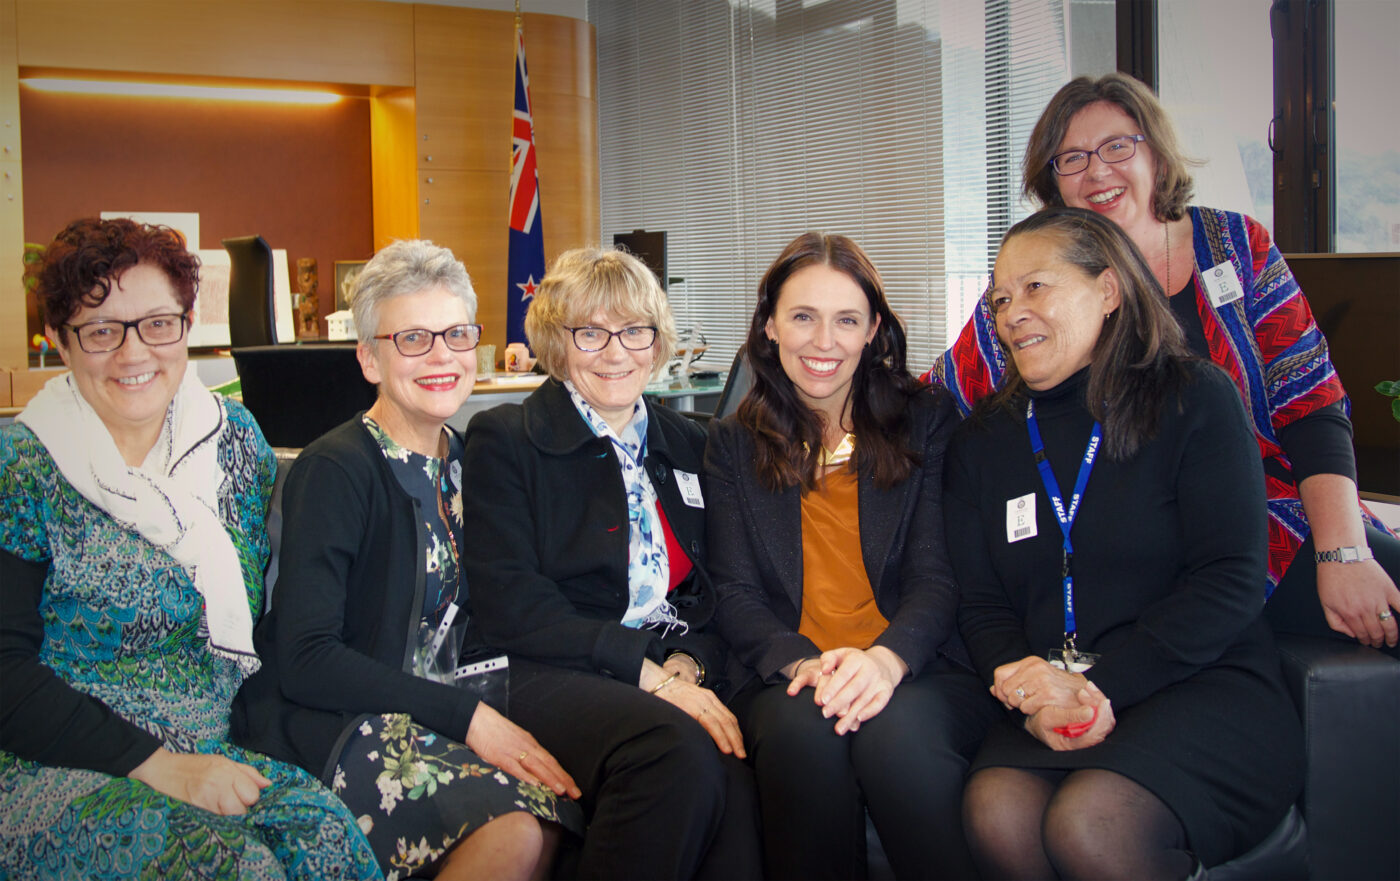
(1064, 515)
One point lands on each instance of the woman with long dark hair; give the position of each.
(1107, 523)
(835, 592)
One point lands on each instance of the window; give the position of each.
(1367, 137)
(735, 125)
(1216, 83)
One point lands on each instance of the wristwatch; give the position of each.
(1353, 554)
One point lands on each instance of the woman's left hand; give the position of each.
(1353, 595)
(1063, 728)
(856, 684)
(1032, 683)
(703, 706)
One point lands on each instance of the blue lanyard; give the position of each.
(1065, 518)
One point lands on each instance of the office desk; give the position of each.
(514, 388)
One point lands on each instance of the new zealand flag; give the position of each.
(526, 231)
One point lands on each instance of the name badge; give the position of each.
(1020, 518)
(1222, 284)
(690, 488)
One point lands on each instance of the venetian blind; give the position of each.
(735, 125)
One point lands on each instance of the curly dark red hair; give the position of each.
(78, 267)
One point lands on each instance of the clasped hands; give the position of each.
(1063, 710)
(852, 684)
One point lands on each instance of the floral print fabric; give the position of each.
(437, 485)
(417, 793)
(121, 623)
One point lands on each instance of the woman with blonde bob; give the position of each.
(587, 566)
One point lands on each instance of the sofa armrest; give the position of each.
(1348, 697)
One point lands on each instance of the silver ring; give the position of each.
(1021, 693)
(1385, 616)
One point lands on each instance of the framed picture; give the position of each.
(346, 271)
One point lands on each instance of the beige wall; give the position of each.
(440, 72)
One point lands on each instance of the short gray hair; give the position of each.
(403, 267)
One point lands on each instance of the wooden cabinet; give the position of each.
(464, 78)
(439, 80)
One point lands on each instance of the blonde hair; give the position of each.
(584, 282)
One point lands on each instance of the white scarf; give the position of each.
(648, 567)
(171, 499)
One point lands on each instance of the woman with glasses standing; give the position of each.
(367, 616)
(587, 565)
(132, 547)
(1107, 146)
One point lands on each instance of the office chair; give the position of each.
(298, 393)
(736, 385)
(251, 311)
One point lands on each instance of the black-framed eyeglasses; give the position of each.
(417, 341)
(596, 339)
(1117, 150)
(108, 334)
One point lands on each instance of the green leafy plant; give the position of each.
(1391, 389)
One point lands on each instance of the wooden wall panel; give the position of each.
(392, 151)
(345, 41)
(465, 211)
(298, 176)
(464, 79)
(465, 90)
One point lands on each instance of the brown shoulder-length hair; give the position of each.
(1138, 361)
(787, 433)
(78, 267)
(1172, 186)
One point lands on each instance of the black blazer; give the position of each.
(546, 541)
(756, 561)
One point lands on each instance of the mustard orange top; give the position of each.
(838, 603)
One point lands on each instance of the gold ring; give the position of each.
(522, 757)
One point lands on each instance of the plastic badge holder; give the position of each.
(489, 680)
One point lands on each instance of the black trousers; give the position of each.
(1294, 606)
(906, 766)
(662, 801)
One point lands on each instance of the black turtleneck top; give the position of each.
(1170, 545)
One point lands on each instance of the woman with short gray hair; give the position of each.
(368, 612)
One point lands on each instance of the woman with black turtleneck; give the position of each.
(1106, 520)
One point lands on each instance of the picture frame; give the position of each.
(346, 271)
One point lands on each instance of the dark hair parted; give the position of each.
(1138, 360)
(787, 433)
(77, 269)
(1172, 185)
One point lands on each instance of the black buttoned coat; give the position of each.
(756, 551)
(546, 543)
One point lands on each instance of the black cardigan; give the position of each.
(338, 641)
(547, 533)
(757, 564)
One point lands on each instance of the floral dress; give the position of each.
(417, 793)
(121, 623)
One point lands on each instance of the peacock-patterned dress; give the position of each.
(118, 619)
